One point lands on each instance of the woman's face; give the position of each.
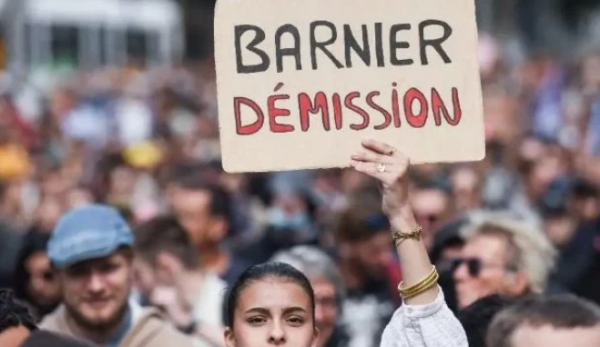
(326, 309)
(272, 312)
(43, 287)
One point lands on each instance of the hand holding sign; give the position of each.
(297, 90)
(389, 166)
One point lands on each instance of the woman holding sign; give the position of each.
(274, 303)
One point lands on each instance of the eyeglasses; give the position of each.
(475, 265)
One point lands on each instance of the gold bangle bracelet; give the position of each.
(423, 290)
(421, 286)
(429, 276)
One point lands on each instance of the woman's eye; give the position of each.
(256, 320)
(295, 321)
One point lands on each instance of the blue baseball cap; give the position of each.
(89, 232)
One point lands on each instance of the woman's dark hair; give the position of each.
(271, 270)
(14, 313)
(34, 242)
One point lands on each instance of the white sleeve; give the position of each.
(432, 325)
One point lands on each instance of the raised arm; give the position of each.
(424, 319)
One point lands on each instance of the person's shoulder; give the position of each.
(153, 324)
(51, 321)
(50, 339)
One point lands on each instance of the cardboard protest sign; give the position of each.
(301, 82)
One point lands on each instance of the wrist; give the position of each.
(403, 219)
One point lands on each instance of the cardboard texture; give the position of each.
(301, 82)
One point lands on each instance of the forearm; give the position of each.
(414, 260)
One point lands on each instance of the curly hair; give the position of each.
(13, 313)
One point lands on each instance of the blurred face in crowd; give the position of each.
(466, 189)
(96, 291)
(587, 208)
(559, 228)
(43, 285)
(485, 269)
(272, 312)
(48, 213)
(144, 277)
(548, 336)
(326, 309)
(192, 208)
(544, 172)
(431, 207)
(590, 74)
(501, 117)
(372, 256)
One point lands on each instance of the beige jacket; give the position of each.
(149, 329)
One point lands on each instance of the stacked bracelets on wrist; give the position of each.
(421, 287)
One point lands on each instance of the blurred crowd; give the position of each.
(524, 220)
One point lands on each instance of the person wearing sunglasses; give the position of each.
(502, 255)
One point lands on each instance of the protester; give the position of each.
(274, 303)
(364, 255)
(18, 328)
(204, 210)
(424, 318)
(542, 321)
(503, 255)
(271, 304)
(91, 248)
(192, 298)
(329, 290)
(36, 283)
(477, 317)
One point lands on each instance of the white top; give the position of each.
(432, 325)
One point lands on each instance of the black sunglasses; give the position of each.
(475, 265)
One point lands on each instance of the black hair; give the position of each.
(477, 317)
(270, 270)
(14, 313)
(557, 311)
(34, 242)
(165, 234)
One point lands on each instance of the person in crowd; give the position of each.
(364, 256)
(204, 210)
(91, 250)
(172, 279)
(546, 321)
(447, 246)
(329, 290)
(274, 303)
(503, 255)
(431, 203)
(18, 327)
(271, 304)
(477, 317)
(467, 187)
(35, 280)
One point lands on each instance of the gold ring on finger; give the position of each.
(381, 167)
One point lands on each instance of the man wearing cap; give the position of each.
(91, 249)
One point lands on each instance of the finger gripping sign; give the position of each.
(301, 82)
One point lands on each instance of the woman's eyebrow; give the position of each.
(294, 309)
(286, 310)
